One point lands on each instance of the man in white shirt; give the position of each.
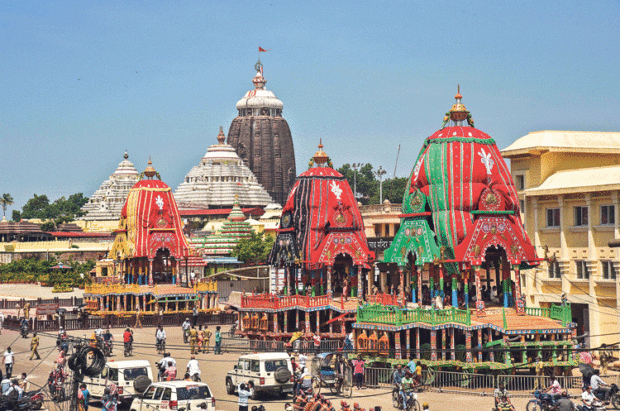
(587, 397)
(185, 328)
(193, 369)
(15, 388)
(1, 321)
(9, 359)
(555, 390)
(599, 386)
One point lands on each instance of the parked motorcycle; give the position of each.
(24, 331)
(36, 397)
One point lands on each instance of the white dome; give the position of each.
(259, 97)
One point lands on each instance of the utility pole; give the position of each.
(380, 173)
(355, 166)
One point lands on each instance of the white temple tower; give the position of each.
(220, 177)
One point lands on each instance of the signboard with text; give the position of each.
(47, 309)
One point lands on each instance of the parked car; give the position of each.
(268, 372)
(174, 396)
(127, 375)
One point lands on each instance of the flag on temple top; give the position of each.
(260, 49)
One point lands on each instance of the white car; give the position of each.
(268, 372)
(121, 373)
(174, 396)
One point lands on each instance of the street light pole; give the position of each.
(355, 166)
(380, 173)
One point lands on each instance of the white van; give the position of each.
(268, 372)
(174, 396)
(122, 374)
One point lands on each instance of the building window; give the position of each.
(608, 215)
(609, 271)
(554, 270)
(553, 217)
(520, 182)
(581, 216)
(582, 270)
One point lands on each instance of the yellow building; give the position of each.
(569, 184)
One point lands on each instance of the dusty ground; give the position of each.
(214, 369)
(28, 291)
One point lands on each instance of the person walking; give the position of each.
(138, 323)
(218, 341)
(193, 340)
(207, 339)
(34, 345)
(195, 315)
(9, 359)
(358, 371)
(83, 398)
(201, 339)
(185, 329)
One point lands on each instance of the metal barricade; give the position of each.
(378, 377)
(448, 381)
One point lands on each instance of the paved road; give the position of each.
(214, 369)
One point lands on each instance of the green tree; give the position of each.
(36, 207)
(48, 226)
(253, 249)
(6, 200)
(16, 216)
(63, 210)
(393, 190)
(367, 183)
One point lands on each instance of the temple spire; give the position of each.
(458, 113)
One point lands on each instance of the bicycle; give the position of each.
(161, 346)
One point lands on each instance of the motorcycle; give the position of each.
(107, 348)
(9, 403)
(36, 397)
(596, 406)
(128, 349)
(24, 331)
(541, 402)
(412, 403)
(614, 396)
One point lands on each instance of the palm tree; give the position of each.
(6, 200)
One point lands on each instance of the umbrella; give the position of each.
(585, 357)
(586, 370)
(61, 266)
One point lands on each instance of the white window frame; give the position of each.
(552, 210)
(578, 215)
(611, 214)
(582, 271)
(554, 271)
(608, 270)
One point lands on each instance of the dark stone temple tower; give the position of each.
(263, 139)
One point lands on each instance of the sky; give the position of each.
(83, 81)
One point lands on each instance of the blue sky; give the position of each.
(83, 81)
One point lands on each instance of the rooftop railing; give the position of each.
(397, 316)
(274, 302)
